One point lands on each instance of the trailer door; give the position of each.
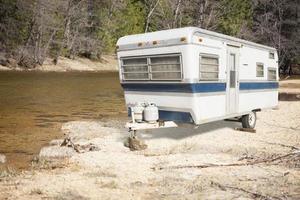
(232, 79)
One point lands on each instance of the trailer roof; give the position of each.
(186, 32)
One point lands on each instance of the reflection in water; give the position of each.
(33, 106)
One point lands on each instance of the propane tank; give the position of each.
(151, 113)
(138, 112)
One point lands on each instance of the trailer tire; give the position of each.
(249, 121)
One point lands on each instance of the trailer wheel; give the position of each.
(249, 121)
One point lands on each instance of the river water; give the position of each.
(34, 105)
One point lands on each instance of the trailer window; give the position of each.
(271, 74)
(259, 70)
(162, 67)
(135, 69)
(271, 55)
(165, 68)
(209, 67)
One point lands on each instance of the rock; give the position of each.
(12, 62)
(88, 147)
(27, 62)
(2, 158)
(56, 152)
(126, 142)
(78, 130)
(135, 144)
(56, 142)
(3, 61)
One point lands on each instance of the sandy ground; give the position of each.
(3, 68)
(108, 63)
(112, 171)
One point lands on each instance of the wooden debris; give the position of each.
(295, 153)
(253, 195)
(251, 130)
(286, 173)
(79, 148)
(246, 157)
(282, 145)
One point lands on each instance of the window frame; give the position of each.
(149, 67)
(263, 70)
(271, 55)
(143, 72)
(205, 71)
(272, 78)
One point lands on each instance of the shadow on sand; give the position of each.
(187, 130)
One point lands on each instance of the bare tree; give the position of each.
(75, 17)
(176, 12)
(152, 6)
(42, 30)
(275, 24)
(205, 13)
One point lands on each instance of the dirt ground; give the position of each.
(180, 163)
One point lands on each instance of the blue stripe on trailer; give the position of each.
(175, 116)
(195, 87)
(172, 116)
(258, 85)
(175, 87)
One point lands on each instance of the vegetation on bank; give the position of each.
(32, 30)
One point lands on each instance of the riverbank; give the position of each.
(107, 63)
(263, 165)
(34, 105)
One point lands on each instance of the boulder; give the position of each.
(56, 142)
(56, 152)
(86, 130)
(2, 158)
(135, 144)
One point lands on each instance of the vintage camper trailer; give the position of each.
(197, 76)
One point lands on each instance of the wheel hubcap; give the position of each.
(251, 119)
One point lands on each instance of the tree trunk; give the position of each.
(149, 15)
(176, 12)
(66, 29)
(43, 56)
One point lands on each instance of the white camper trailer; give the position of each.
(197, 76)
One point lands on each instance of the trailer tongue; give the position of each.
(134, 126)
(146, 116)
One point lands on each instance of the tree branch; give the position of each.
(231, 164)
